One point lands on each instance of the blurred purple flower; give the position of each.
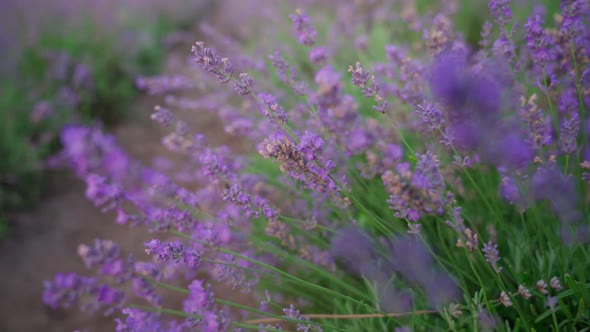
(500, 10)
(559, 190)
(306, 34)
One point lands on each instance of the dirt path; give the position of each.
(46, 239)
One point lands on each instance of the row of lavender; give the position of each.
(405, 179)
(70, 62)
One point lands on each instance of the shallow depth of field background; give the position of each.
(71, 62)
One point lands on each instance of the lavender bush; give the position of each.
(405, 179)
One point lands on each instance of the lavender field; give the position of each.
(317, 165)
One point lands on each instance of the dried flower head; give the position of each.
(505, 299)
(524, 292)
(542, 287)
(555, 284)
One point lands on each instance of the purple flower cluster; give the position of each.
(303, 161)
(306, 33)
(500, 10)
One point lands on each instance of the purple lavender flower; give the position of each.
(287, 74)
(427, 174)
(503, 47)
(271, 108)
(551, 302)
(406, 257)
(432, 117)
(537, 40)
(146, 290)
(104, 251)
(293, 313)
(211, 62)
(510, 190)
(329, 92)
(573, 15)
(500, 10)
(65, 290)
(486, 32)
(318, 55)
(306, 34)
(360, 77)
(492, 255)
(68, 290)
(165, 251)
(200, 298)
(163, 116)
(569, 130)
(244, 85)
(302, 161)
(568, 102)
(559, 190)
(103, 194)
(233, 274)
(411, 260)
(137, 320)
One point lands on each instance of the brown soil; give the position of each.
(45, 240)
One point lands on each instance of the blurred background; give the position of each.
(72, 62)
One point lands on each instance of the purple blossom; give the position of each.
(537, 40)
(41, 111)
(173, 251)
(504, 48)
(310, 146)
(432, 117)
(427, 174)
(137, 320)
(65, 290)
(293, 313)
(68, 290)
(559, 190)
(572, 25)
(318, 55)
(306, 34)
(271, 108)
(103, 194)
(200, 298)
(303, 161)
(104, 251)
(568, 102)
(211, 62)
(492, 255)
(281, 66)
(360, 77)
(163, 116)
(411, 260)
(551, 302)
(486, 32)
(146, 290)
(232, 272)
(329, 92)
(500, 10)
(569, 130)
(244, 85)
(510, 189)
(286, 73)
